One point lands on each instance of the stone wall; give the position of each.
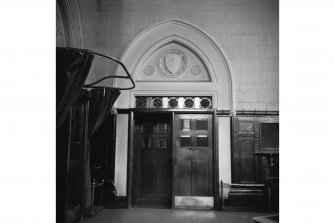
(246, 30)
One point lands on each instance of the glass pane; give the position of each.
(270, 135)
(147, 142)
(141, 102)
(185, 124)
(201, 124)
(157, 102)
(162, 128)
(185, 141)
(202, 141)
(161, 142)
(147, 128)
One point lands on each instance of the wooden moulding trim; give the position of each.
(130, 158)
(218, 112)
(164, 110)
(215, 160)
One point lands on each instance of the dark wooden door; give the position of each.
(193, 165)
(152, 156)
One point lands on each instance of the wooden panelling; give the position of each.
(247, 161)
(147, 182)
(193, 178)
(249, 165)
(185, 178)
(246, 126)
(202, 176)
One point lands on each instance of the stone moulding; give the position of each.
(192, 38)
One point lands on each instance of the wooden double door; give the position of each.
(173, 162)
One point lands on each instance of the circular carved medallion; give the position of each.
(149, 70)
(173, 63)
(157, 103)
(173, 103)
(195, 70)
(189, 103)
(205, 103)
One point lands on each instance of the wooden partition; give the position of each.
(255, 150)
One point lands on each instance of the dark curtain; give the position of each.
(72, 68)
(101, 103)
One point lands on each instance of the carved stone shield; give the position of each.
(173, 63)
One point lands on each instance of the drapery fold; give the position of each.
(101, 103)
(72, 68)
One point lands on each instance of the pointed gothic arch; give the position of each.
(191, 37)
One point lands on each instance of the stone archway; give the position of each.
(69, 23)
(188, 36)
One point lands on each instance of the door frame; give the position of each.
(130, 160)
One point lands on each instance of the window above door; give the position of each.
(174, 102)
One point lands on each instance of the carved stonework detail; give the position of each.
(60, 35)
(173, 63)
(149, 70)
(196, 70)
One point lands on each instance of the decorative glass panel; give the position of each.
(201, 124)
(147, 142)
(185, 141)
(161, 142)
(173, 102)
(141, 102)
(185, 124)
(189, 103)
(157, 102)
(162, 128)
(205, 103)
(202, 141)
(147, 128)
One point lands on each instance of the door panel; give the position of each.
(185, 178)
(247, 159)
(152, 157)
(193, 164)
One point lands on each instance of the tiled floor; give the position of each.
(147, 215)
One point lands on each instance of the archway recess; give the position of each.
(190, 38)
